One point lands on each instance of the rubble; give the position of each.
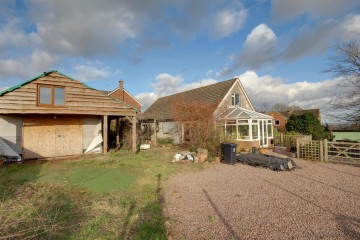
(184, 156)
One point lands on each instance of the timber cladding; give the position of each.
(52, 136)
(79, 99)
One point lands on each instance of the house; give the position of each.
(281, 118)
(232, 110)
(123, 95)
(54, 115)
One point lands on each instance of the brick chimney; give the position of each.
(121, 90)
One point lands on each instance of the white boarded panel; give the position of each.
(91, 129)
(11, 131)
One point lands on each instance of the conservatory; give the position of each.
(250, 128)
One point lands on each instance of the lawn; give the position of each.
(117, 196)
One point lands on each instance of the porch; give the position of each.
(250, 128)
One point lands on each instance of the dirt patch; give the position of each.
(318, 201)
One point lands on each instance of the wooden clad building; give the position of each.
(54, 115)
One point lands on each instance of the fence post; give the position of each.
(281, 139)
(298, 148)
(326, 158)
(321, 156)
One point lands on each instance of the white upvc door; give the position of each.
(263, 133)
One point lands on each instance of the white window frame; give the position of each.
(233, 99)
(278, 124)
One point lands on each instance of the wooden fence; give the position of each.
(289, 140)
(324, 151)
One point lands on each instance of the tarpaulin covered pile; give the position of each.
(267, 161)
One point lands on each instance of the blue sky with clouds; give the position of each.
(279, 48)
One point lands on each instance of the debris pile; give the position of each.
(187, 156)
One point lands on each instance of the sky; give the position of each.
(278, 48)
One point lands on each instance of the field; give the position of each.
(118, 196)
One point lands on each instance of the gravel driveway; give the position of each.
(318, 201)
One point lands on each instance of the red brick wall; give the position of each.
(278, 116)
(127, 98)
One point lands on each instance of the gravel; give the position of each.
(318, 201)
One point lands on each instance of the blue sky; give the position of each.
(279, 48)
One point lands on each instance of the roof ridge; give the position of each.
(233, 79)
(10, 89)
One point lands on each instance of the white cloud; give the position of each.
(283, 10)
(42, 61)
(316, 40)
(228, 21)
(11, 35)
(92, 72)
(259, 48)
(271, 90)
(12, 67)
(166, 84)
(263, 47)
(24, 67)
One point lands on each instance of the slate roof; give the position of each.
(242, 113)
(212, 94)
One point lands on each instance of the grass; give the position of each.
(117, 196)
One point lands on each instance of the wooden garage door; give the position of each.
(51, 137)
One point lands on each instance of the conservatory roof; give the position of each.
(242, 113)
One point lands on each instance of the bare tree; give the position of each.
(199, 123)
(345, 64)
(280, 107)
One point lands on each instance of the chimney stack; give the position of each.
(121, 90)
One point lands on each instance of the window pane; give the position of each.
(255, 131)
(237, 99)
(59, 98)
(243, 121)
(231, 131)
(45, 95)
(269, 130)
(243, 131)
(230, 122)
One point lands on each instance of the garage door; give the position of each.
(51, 137)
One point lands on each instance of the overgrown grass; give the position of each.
(118, 196)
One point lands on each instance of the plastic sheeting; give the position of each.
(271, 162)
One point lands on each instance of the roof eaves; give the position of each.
(117, 100)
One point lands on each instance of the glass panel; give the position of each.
(243, 121)
(254, 121)
(59, 98)
(237, 99)
(45, 95)
(231, 131)
(243, 131)
(230, 122)
(255, 131)
(269, 121)
(269, 130)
